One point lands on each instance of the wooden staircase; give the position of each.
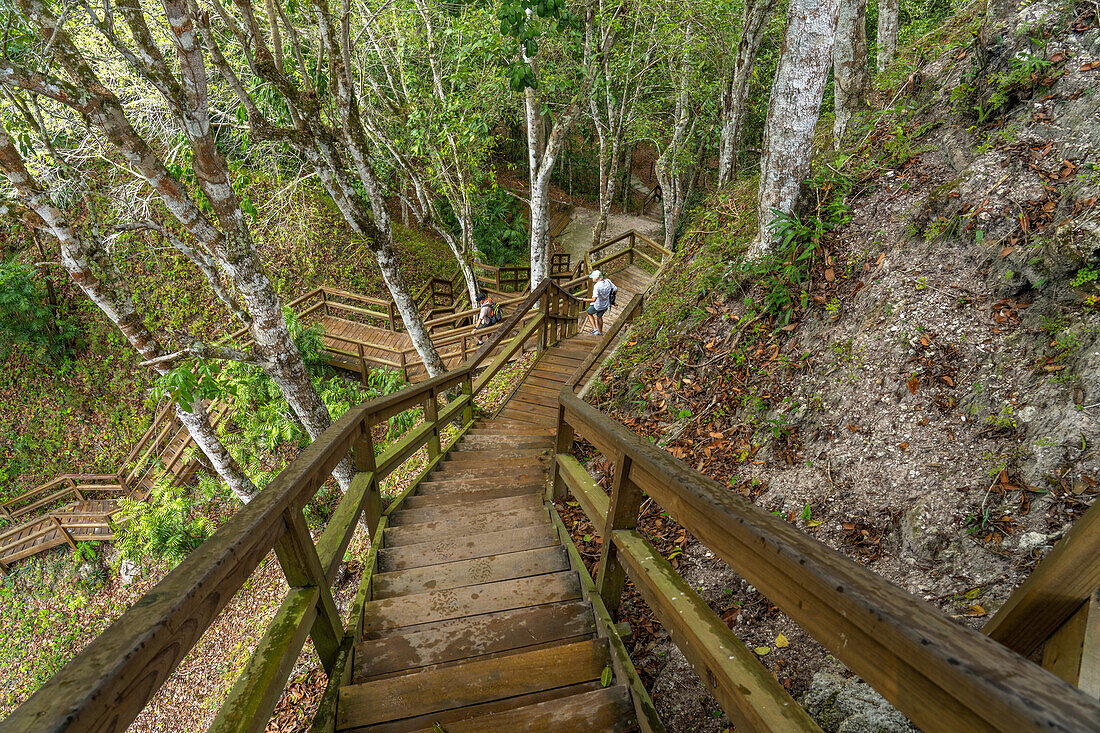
(475, 612)
(478, 620)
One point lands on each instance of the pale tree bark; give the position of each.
(230, 243)
(318, 140)
(793, 112)
(393, 98)
(754, 21)
(675, 175)
(886, 39)
(613, 107)
(544, 148)
(97, 276)
(851, 75)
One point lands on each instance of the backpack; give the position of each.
(614, 290)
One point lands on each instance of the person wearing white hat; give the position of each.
(601, 290)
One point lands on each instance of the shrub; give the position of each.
(24, 315)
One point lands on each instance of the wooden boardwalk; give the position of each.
(79, 508)
(479, 620)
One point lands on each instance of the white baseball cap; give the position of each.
(596, 275)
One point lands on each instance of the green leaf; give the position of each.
(606, 676)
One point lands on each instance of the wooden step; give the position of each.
(495, 458)
(513, 428)
(443, 529)
(467, 547)
(506, 566)
(608, 710)
(421, 608)
(505, 442)
(452, 498)
(443, 490)
(453, 640)
(470, 509)
(470, 683)
(450, 471)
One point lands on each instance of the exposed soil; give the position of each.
(932, 413)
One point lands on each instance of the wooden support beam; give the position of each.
(257, 690)
(1062, 581)
(64, 532)
(563, 445)
(302, 568)
(431, 417)
(622, 513)
(1073, 651)
(752, 698)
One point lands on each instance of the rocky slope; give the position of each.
(935, 412)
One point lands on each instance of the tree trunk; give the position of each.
(673, 174)
(754, 21)
(851, 77)
(107, 288)
(886, 39)
(793, 112)
(206, 438)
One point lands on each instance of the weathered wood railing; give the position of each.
(68, 487)
(506, 279)
(1058, 607)
(943, 676)
(105, 686)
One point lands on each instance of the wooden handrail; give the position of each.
(943, 676)
(1060, 583)
(108, 683)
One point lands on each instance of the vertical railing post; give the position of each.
(363, 456)
(468, 391)
(622, 513)
(544, 307)
(630, 250)
(404, 366)
(362, 364)
(324, 301)
(392, 312)
(302, 567)
(431, 416)
(563, 445)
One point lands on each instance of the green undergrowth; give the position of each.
(82, 414)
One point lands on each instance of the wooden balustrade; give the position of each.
(112, 679)
(943, 676)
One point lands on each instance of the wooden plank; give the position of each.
(446, 717)
(750, 695)
(420, 608)
(593, 500)
(608, 710)
(483, 545)
(469, 510)
(471, 683)
(471, 636)
(941, 675)
(423, 501)
(257, 690)
(1073, 651)
(507, 566)
(451, 472)
(444, 529)
(446, 490)
(1061, 582)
